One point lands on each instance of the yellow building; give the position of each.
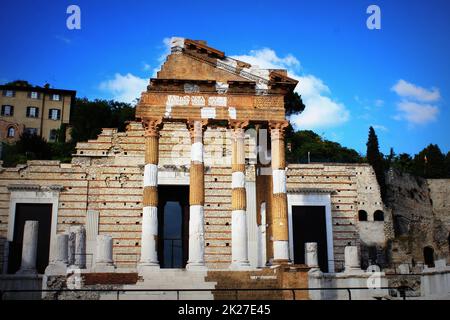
(40, 110)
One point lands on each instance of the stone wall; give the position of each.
(104, 180)
(420, 217)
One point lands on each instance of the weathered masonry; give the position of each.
(198, 181)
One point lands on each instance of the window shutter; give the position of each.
(50, 113)
(12, 110)
(37, 112)
(28, 111)
(59, 114)
(3, 111)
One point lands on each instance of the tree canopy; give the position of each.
(301, 142)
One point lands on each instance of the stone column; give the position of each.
(77, 247)
(61, 260)
(196, 259)
(351, 257)
(104, 254)
(279, 197)
(311, 255)
(239, 236)
(149, 236)
(29, 248)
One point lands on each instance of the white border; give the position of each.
(313, 199)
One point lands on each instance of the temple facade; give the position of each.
(198, 182)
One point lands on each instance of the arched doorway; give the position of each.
(362, 215)
(378, 215)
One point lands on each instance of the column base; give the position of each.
(54, 269)
(145, 267)
(240, 265)
(103, 268)
(27, 271)
(195, 266)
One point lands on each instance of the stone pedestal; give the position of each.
(104, 254)
(58, 266)
(29, 248)
(311, 259)
(351, 256)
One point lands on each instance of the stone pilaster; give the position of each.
(29, 248)
(239, 236)
(196, 259)
(279, 197)
(149, 234)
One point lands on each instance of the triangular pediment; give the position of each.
(195, 60)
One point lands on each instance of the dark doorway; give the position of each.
(173, 226)
(428, 256)
(36, 212)
(309, 225)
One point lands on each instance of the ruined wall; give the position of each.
(420, 216)
(105, 177)
(342, 181)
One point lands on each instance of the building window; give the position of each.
(378, 216)
(32, 112)
(11, 132)
(56, 97)
(362, 215)
(34, 95)
(54, 114)
(53, 135)
(31, 131)
(7, 110)
(9, 93)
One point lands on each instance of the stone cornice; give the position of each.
(34, 187)
(310, 190)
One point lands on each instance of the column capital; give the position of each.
(277, 128)
(238, 127)
(196, 127)
(152, 126)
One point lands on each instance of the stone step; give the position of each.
(159, 295)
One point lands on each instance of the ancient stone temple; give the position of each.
(196, 193)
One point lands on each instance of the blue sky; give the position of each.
(396, 79)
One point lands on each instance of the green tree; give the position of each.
(375, 159)
(403, 162)
(302, 142)
(89, 117)
(430, 162)
(19, 83)
(293, 103)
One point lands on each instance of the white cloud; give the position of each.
(415, 106)
(411, 91)
(321, 110)
(146, 66)
(380, 127)
(416, 113)
(124, 88)
(267, 59)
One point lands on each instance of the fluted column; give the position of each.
(279, 198)
(196, 259)
(239, 236)
(149, 236)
